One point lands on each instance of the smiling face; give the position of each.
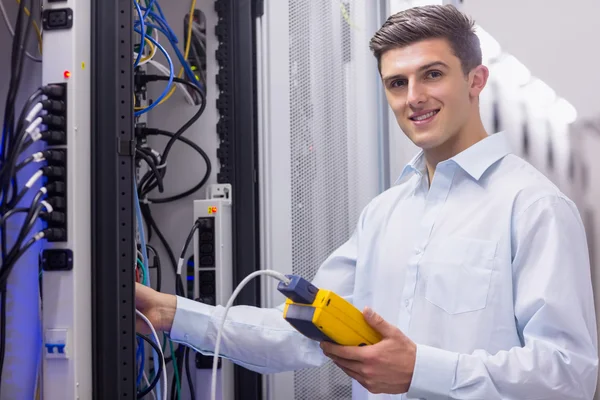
(435, 103)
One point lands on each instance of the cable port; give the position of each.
(58, 18)
(54, 172)
(54, 121)
(55, 234)
(54, 218)
(54, 106)
(54, 138)
(55, 156)
(57, 91)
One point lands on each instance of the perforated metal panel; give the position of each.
(326, 153)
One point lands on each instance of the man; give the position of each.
(475, 263)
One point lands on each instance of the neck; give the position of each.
(470, 134)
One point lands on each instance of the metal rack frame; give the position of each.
(113, 246)
(238, 131)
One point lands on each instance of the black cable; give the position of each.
(189, 238)
(152, 165)
(17, 251)
(157, 265)
(2, 329)
(194, 146)
(160, 367)
(179, 360)
(185, 127)
(188, 373)
(8, 260)
(147, 214)
(26, 108)
(190, 122)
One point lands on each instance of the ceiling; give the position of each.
(556, 40)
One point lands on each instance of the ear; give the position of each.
(479, 78)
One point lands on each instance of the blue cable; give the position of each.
(171, 75)
(141, 49)
(138, 212)
(142, 356)
(149, 8)
(174, 41)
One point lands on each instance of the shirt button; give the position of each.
(186, 336)
(406, 302)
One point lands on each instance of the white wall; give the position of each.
(555, 39)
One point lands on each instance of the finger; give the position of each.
(377, 322)
(354, 366)
(346, 352)
(352, 374)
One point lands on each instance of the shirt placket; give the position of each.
(434, 202)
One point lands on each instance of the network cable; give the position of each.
(274, 274)
(150, 23)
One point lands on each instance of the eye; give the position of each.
(398, 83)
(434, 74)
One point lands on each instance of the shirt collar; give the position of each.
(474, 160)
(416, 165)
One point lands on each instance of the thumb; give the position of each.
(377, 322)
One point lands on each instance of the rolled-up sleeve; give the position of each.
(555, 317)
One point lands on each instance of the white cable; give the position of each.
(36, 135)
(34, 125)
(164, 367)
(155, 37)
(180, 265)
(34, 111)
(268, 272)
(145, 377)
(48, 206)
(38, 157)
(34, 178)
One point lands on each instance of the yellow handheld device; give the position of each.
(322, 315)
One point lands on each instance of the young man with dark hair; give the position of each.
(474, 266)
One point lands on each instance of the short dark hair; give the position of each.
(430, 22)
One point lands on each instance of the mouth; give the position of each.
(424, 118)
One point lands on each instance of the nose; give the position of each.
(416, 94)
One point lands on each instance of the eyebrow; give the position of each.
(422, 68)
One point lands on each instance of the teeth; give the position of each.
(423, 117)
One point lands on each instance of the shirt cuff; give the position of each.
(191, 322)
(434, 372)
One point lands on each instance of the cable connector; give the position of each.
(56, 188)
(55, 234)
(54, 121)
(55, 156)
(57, 203)
(54, 91)
(54, 106)
(54, 172)
(53, 138)
(54, 217)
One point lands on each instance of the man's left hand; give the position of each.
(385, 367)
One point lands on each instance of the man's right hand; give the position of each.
(158, 307)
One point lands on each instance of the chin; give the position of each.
(426, 140)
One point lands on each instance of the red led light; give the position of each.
(67, 74)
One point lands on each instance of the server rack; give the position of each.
(113, 246)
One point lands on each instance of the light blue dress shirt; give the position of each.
(486, 269)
